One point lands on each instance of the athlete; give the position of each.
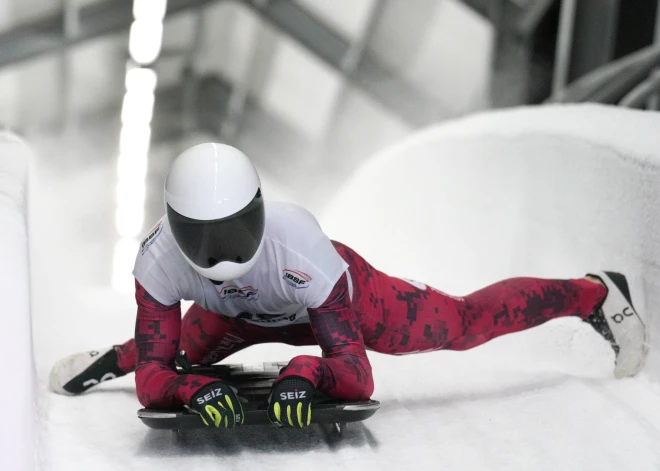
(265, 272)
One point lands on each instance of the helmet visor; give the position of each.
(235, 238)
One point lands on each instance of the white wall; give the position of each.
(443, 47)
(549, 192)
(16, 431)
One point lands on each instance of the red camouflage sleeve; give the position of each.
(344, 372)
(157, 333)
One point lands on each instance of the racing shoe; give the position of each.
(618, 322)
(77, 373)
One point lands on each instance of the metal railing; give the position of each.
(356, 64)
(632, 81)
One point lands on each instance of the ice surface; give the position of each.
(521, 192)
(15, 341)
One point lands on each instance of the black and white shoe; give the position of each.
(619, 323)
(77, 373)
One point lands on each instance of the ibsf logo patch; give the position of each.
(151, 238)
(246, 292)
(296, 278)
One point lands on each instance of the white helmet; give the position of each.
(215, 209)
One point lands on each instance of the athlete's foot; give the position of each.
(617, 321)
(79, 372)
(595, 279)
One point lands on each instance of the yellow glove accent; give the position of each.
(204, 420)
(278, 411)
(288, 415)
(299, 412)
(229, 403)
(309, 413)
(215, 414)
(226, 422)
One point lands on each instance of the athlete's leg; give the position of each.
(208, 338)
(437, 320)
(205, 336)
(399, 316)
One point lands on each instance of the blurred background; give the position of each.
(110, 91)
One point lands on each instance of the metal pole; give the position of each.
(657, 24)
(640, 95)
(189, 79)
(240, 90)
(564, 45)
(654, 102)
(353, 56)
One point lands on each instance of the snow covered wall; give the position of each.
(550, 192)
(16, 431)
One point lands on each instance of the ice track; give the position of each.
(468, 203)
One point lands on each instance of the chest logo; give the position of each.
(151, 238)
(296, 278)
(246, 292)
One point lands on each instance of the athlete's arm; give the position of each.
(344, 372)
(157, 332)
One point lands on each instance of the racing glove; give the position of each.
(218, 405)
(290, 402)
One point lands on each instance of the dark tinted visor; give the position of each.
(232, 239)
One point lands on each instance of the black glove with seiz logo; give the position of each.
(290, 402)
(218, 405)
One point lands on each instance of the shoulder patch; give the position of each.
(151, 238)
(296, 278)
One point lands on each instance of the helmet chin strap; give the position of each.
(216, 282)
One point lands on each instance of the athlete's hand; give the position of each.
(290, 402)
(218, 405)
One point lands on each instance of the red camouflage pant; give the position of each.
(398, 317)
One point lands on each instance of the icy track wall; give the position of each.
(16, 433)
(550, 192)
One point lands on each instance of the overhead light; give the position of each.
(132, 168)
(128, 223)
(149, 10)
(134, 139)
(141, 79)
(144, 46)
(137, 108)
(145, 41)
